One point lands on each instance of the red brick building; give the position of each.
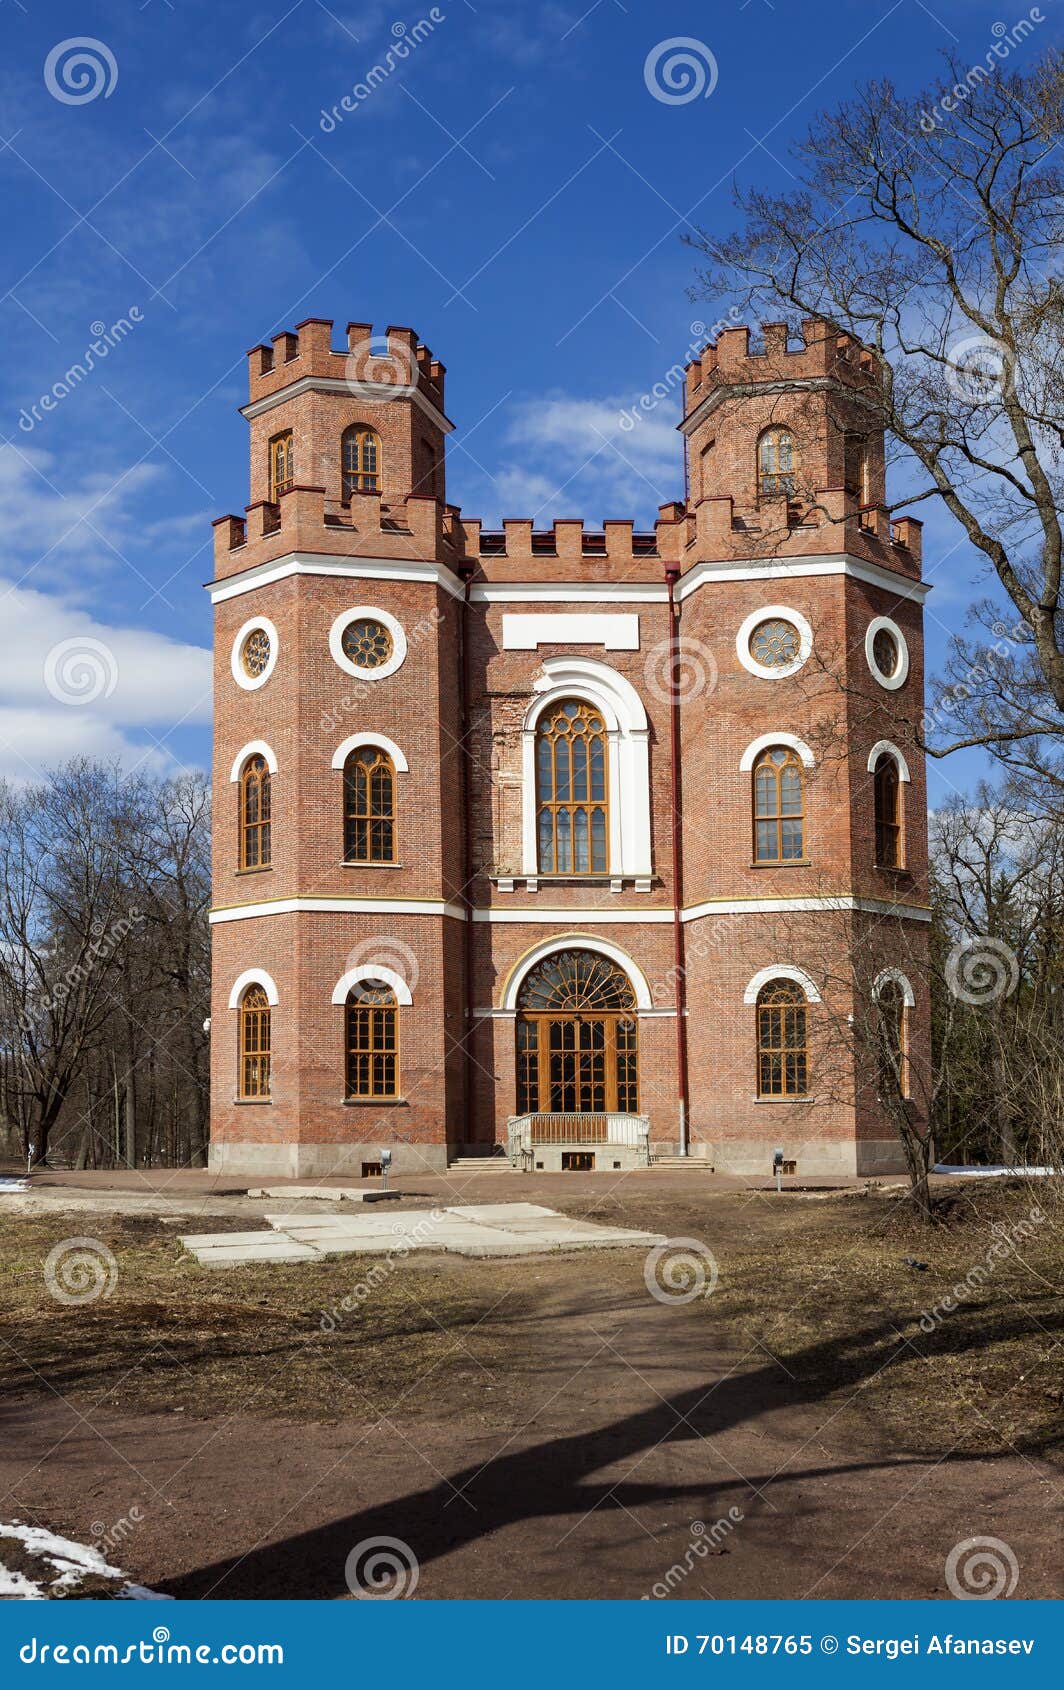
(560, 838)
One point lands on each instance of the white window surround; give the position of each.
(894, 976)
(371, 971)
(358, 741)
(781, 971)
(582, 942)
(877, 751)
(877, 625)
(791, 741)
(251, 683)
(253, 977)
(616, 632)
(355, 614)
(770, 613)
(627, 760)
(253, 748)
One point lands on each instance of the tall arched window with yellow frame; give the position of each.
(360, 460)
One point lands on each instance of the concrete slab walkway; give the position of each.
(468, 1229)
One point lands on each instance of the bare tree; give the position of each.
(928, 229)
(104, 966)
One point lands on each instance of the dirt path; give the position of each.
(622, 1429)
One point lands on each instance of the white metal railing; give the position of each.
(577, 1130)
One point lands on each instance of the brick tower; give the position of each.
(571, 841)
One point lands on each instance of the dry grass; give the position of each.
(820, 1284)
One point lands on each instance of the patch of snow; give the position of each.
(17, 1585)
(995, 1172)
(13, 1185)
(72, 1561)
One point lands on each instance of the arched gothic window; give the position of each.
(779, 806)
(888, 819)
(282, 468)
(892, 1028)
(782, 1040)
(369, 806)
(577, 1037)
(255, 814)
(777, 463)
(572, 802)
(254, 1076)
(372, 1038)
(360, 460)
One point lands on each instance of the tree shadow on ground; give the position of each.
(555, 1478)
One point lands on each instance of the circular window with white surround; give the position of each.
(774, 642)
(254, 653)
(886, 652)
(367, 642)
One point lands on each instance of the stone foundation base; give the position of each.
(317, 1161)
(813, 1157)
(604, 1158)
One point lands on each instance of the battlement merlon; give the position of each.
(824, 355)
(373, 365)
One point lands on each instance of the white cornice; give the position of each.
(338, 906)
(335, 564)
(563, 592)
(372, 390)
(581, 915)
(792, 569)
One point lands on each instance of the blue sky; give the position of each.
(512, 191)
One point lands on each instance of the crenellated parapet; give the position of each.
(823, 354)
(396, 359)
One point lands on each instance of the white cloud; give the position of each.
(588, 457)
(52, 523)
(74, 686)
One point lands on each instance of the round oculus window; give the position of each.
(775, 643)
(366, 644)
(885, 653)
(255, 653)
